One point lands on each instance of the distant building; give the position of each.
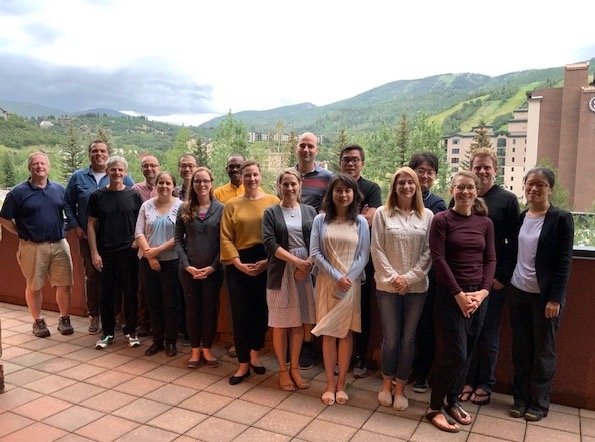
(46, 124)
(510, 150)
(561, 129)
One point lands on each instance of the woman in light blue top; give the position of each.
(155, 230)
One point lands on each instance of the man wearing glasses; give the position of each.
(352, 160)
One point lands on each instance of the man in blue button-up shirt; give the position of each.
(81, 185)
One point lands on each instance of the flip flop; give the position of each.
(465, 395)
(459, 414)
(342, 397)
(432, 415)
(481, 398)
(328, 398)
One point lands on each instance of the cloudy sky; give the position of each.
(187, 61)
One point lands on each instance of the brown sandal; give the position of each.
(298, 380)
(285, 382)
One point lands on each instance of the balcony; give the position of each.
(61, 387)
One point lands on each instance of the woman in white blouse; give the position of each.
(401, 256)
(155, 230)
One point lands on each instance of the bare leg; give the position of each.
(345, 350)
(387, 384)
(295, 346)
(242, 369)
(34, 300)
(195, 354)
(280, 346)
(329, 354)
(254, 358)
(63, 299)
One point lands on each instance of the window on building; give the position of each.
(512, 178)
(513, 159)
(514, 141)
(455, 141)
(455, 151)
(512, 169)
(454, 160)
(513, 149)
(455, 169)
(501, 142)
(501, 152)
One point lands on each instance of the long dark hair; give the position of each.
(328, 206)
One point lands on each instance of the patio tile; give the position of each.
(42, 407)
(366, 436)
(587, 413)
(178, 420)
(302, 404)
(540, 434)
(394, 426)
(82, 354)
(503, 428)
(165, 373)
(587, 427)
(346, 415)
(234, 391)
(78, 392)
(110, 360)
(560, 421)
(109, 378)
(10, 422)
(38, 344)
(108, 428)
(73, 418)
(197, 380)
(71, 437)
(426, 432)
(269, 397)
(137, 367)
(108, 401)
(13, 353)
(141, 410)
(56, 365)
(61, 349)
(82, 371)
(252, 434)
(16, 397)
(323, 431)
(214, 429)
(243, 412)
(13, 338)
(206, 403)
(171, 394)
(138, 386)
(25, 376)
(49, 384)
(37, 431)
(146, 433)
(283, 422)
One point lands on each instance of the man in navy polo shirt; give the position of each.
(81, 185)
(34, 211)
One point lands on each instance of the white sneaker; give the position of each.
(133, 340)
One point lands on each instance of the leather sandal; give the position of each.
(431, 416)
(459, 414)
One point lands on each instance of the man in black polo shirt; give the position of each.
(352, 161)
(112, 215)
(34, 211)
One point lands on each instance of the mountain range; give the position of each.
(455, 101)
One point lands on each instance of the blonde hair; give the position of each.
(392, 201)
(293, 172)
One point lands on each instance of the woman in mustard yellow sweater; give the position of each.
(243, 253)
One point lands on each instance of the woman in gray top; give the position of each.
(286, 231)
(201, 273)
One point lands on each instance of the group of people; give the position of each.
(307, 262)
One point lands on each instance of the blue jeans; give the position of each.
(400, 315)
(482, 369)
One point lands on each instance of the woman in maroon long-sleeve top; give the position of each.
(464, 259)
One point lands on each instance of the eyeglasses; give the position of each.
(428, 172)
(347, 160)
(187, 166)
(202, 181)
(468, 187)
(538, 186)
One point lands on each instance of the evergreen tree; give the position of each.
(401, 141)
(290, 146)
(231, 136)
(71, 154)
(482, 138)
(8, 172)
(199, 148)
(342, 140)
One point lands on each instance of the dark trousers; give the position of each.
(92, 279)
(144, 315)
(459, 337)
(362, 338)
(202, 307)
(533, 349)
(425, 337)
(119, 273)
(482, 368)
(249, 309)
(163, 299)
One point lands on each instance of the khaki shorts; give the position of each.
(51, 258)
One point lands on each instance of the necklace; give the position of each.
(292, 211)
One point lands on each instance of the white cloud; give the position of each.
(263, 53)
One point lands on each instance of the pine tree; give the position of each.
(401, 141)
(482, 138)
(72, 154)
(8, 172)
(290, 146)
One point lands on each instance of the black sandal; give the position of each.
(459, 414)
(432, 414)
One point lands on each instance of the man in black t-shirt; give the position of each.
(112, 214)
(352, 160)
